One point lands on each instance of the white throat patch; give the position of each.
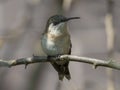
(57, 29)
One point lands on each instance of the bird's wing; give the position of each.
(38, 49)
(70, 48)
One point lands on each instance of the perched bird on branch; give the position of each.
(55, 41)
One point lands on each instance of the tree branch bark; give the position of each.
(62, 58)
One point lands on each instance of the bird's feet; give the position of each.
(57, 57)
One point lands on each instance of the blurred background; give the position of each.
(95, 35)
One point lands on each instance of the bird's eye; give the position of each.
(55, 23)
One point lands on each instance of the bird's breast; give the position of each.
(55, 44)
(54, 37)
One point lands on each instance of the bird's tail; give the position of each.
(67, 73)
(63, 70)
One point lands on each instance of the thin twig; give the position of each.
(62, 58)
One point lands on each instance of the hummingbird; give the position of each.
(55, 41)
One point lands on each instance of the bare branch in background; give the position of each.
(67, 4)
(110, 41)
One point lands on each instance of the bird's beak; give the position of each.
(71, 18)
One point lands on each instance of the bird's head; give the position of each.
(58, 22)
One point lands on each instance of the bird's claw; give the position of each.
(57, 57)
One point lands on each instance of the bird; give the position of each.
(56, 41)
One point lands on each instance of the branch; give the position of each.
(62, 58)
